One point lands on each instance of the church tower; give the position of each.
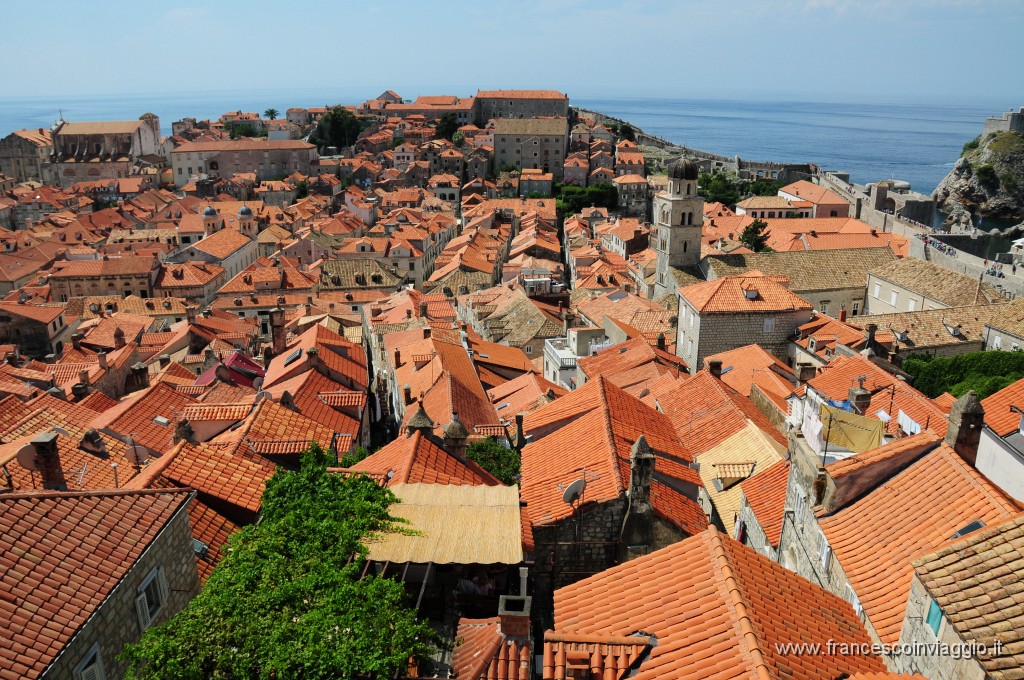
(678, 216)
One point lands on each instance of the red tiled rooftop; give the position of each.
(50, 592)
(998, 415)
(416, 459)
(728, 611)
(766, 495)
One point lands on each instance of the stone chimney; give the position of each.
(520, 434)
(183, 432)
(119, 338)
(420, 422)
(83, 376)
(277, 331)
(423, 310)
(48, 462)
(514, 616)
(715, 367)
(398, 358)
(966, 419)
(455, 436)
(140, 374)
(661, 341)
(76, 340)
(309, 305)
(165, 360)
(860, 398)
(406, 394)
(637, 535)
(190, 313)
(805, 372)
(102, 358)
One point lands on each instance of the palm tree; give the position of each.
(270, 114)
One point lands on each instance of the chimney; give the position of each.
(140, 373)
(420, 421)
(520, 434)
(423, 310)
(455, 436)
(514, 616)
(119, 338)
(661, 341)
(842, 312)
(83, 376)
(277, 331)
(165, 360)
(79, 391)
(183, 432)
(102, 358)
(48, 462)
(76, 340)
(715, 367)
(309, 305)
(406, 394)
(966, 419)
(398, 358)
(190, 313)
(860, 398)
(637, 535)
(805, 372)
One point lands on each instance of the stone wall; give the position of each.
(715, 333)
(916, 630)
(116, 622)
(756, 538)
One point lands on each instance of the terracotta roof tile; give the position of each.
(729, 610)
(766, 495)
(748, 293)
(876, 537)
(218, 473)
(975, 581)
(484, 652)
(416, 459)
(101, 536)
(148, 417)
(998, 415)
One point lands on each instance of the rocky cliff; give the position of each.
(987, 180)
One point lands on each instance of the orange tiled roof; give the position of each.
(49, 594)
(876, 537)
(766, 495)
(148, 417)
(216, 472)
(416, 459)
(718, 610)
(484, 652)
(730, 294)
(998, 415)
(213, 529)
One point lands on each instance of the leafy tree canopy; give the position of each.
(271, 114)
(983, 372)
(573, 199)
(339, 127)
(447, 126)
(286, 602)
(627, 132)
(492, 456)
(755, 236)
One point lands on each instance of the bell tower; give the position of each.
(678, 217)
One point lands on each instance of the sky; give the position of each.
(936, 51)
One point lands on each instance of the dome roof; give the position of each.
(455, 429)
(683, 169)
(420, 419)
(209, 212)
(245, 211)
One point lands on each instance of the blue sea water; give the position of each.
(872, 141)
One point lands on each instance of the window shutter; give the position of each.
(143, 610)
(161, 584)
(91, 673)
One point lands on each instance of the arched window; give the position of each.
(688, 188)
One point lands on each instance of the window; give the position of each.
(852, 598)
(769, 324)
(934, 618)
(911, 305)
(528, 349)
(856, 308)
(91, 667)
(741, 533)
(824, 308)
(877, 291)
(997, 341)
(893, 297)
(151, 597)
(825, 554)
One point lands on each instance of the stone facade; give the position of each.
(916, 631)
(531, 143)
(23, 152)
(116, 622)
(100, 150)
(678, 215)
(519, 104)
(701, 335)
(268, 159)
(1011, 121)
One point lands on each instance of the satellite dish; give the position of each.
(573, 492)
(258, 382)
(134, 456)
(61, 430)
(27, 458)
(260, 396)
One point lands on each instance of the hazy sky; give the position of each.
(876, 50)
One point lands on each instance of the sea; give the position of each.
(915, 142)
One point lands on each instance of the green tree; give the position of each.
(755, 236)
(447, 126)
(492, 456)
(339, 128)
(627, 132)
(271, 114)
(353, 457)
(983, 372)
(572, 199)
(718, 188)
(288, 600)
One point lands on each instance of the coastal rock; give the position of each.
(986, 181)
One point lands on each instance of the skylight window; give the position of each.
(293, 356)
(160, 420)
(970, 528)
